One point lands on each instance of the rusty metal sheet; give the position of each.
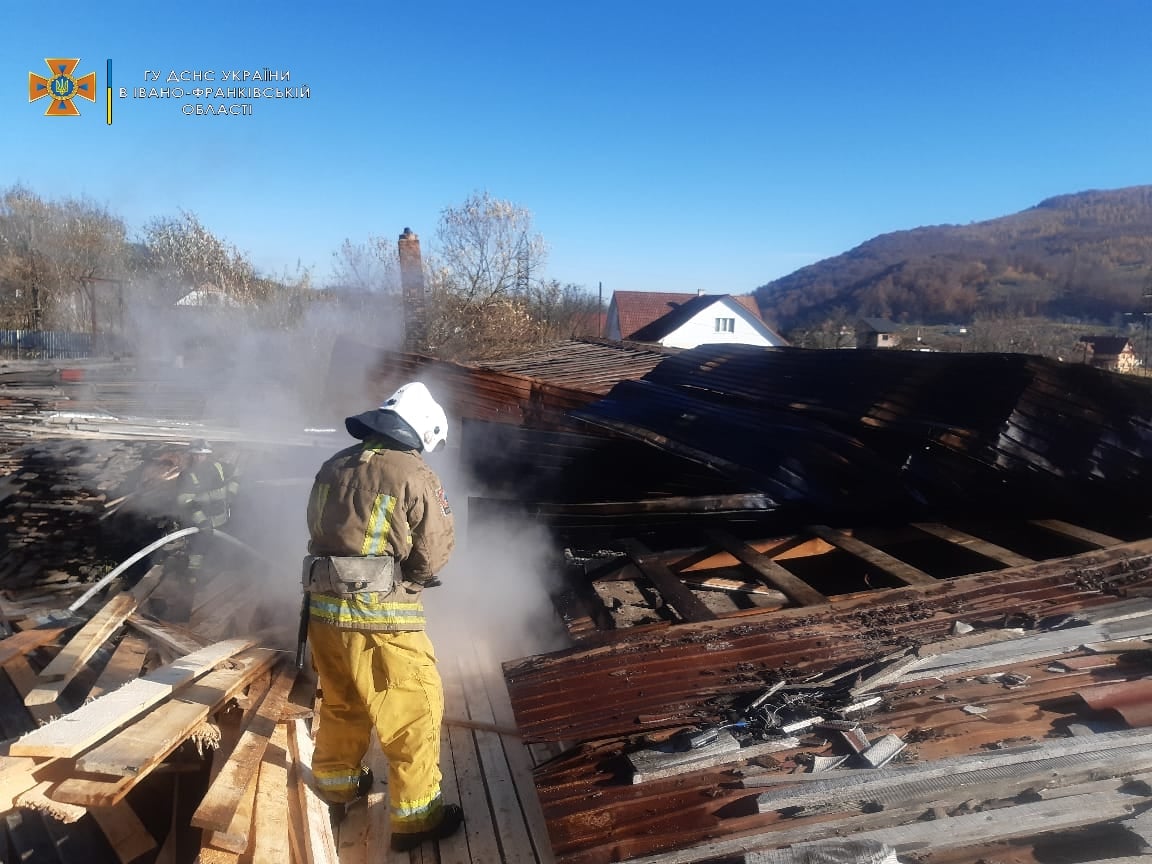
(1132, 700)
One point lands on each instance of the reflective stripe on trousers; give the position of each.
(387, 682)
(367, 610)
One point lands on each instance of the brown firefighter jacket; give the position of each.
(376, 499)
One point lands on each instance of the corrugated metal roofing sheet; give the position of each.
(855, 431)
(592, 365)
(536, 389)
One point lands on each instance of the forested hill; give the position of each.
(1087, 255)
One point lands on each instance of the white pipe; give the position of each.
(108, 577)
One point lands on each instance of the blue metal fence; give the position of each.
(50, 344)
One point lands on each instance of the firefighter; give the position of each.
(208, 489)
(381, 529)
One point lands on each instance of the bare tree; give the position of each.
(488, 261)
(195, 257)
(370, 266)
(488, 248)
(563, 311)
(58, 259)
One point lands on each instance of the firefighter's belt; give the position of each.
(349, 575)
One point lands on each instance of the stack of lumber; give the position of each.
(95, 711)
(53, 496)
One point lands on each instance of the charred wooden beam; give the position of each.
(678, 595)
(878, 558)
(769, 571)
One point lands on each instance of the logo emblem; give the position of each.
(62, 88)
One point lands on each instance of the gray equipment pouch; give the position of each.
(348, 575)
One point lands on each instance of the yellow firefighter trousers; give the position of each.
(387, 682)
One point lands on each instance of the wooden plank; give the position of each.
(124, 666)
(319, 844)
(735, 586)
(519, 757)
(220, 801)
(878, 558)
(125, 832)
(20, 773)
(73, 656)
(1084, 535)
(479, 830)
(1027, 648)
(511, 828)
(855, 826)
(177, 640)
(296, 825)
(795, 588)
(208, 855)
(379, 822)
(990, 826)
(675, 593)
(148, 583)
(270, 842)
(36, 798)
(454, 849)
(26, 641)
(137, 748)
(236, 837)
(79, 730)
(976, 544)
(864, 785)
(653, 765)
(352, 834)
(143, 746)
(24, 679)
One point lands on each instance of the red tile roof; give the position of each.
(637, 309)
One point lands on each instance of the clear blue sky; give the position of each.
(661, 146)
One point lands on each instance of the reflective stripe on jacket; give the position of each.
(208, 495)
(377, 499)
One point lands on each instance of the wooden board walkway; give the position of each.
(488, 772)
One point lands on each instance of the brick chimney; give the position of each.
(413, 292)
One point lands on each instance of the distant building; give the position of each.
(687, 320)
(877, 333)
(208, 297)
(1114, 353)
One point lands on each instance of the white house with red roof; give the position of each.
(688, 320)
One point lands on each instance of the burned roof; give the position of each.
(908, 433)
(592, 365)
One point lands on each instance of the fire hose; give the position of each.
(152, 547)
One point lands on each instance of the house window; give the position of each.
(725, 325)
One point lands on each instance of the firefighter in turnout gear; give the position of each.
(207, 490)
(381, 529)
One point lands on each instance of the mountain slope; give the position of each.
(1085, 255)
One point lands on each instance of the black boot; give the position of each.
(452, 819)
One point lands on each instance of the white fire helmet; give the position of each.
(413, 404)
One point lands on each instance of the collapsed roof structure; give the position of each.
(893, 600)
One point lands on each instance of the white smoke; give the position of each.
(261, 389)
(496, 594)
